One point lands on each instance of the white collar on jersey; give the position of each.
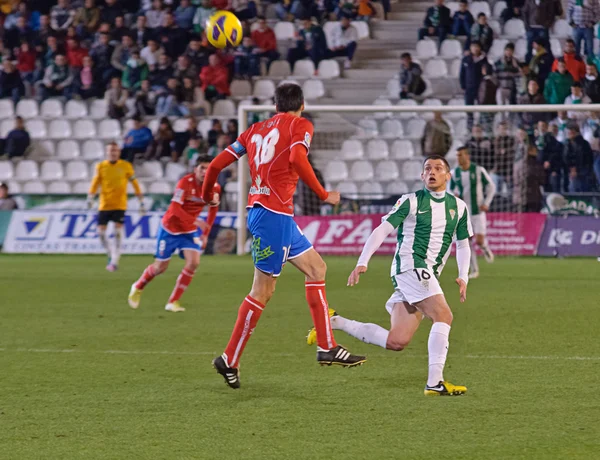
(437, 195)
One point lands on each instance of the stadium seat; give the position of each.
(377, 149)
(75, 109)
(76, 170)
(7, 109)
(402, 149)
(59, 129)
(556, 47)
(499, 7)
(393, 88)
(520, 49)
(411, 170)
(313, 89)
(426, 49)
(352, 149)
(451, 49)
(128, 125)
(454, 70)
(284, 31)
(480, 7)
(336, 171)
(562, 29)
(396, 188)
(92, 150)
(371, 190)
(37, 129)
(407, 103)
(224, 108)
(6, 170)
(453, 7)
(6, 126)
(204, 127)
(288, 82)
(367, 127)
(150, 170)
(347, 189)
(433, 103)
(68, 149)
(27, 108)
(280, 69)
(304, 69)
(497, 50)
(131, 190)
(34, 187)
(240, 89)
(81, 187)
(153, 125)
(460, 129)
(496, 27)
(51, 108)
(264, 89)
(436, 68)
(391, 129)
(14, 187)
(98, 109)
(362, 27)
(329, 68)
(51, 170)
(84, 129)
(362, 171)
(59, 188)
(44, 148)
(174, 171)
(415, 128)
(387, 171)
(514, 28)
(180, 125)
(109, 129)
(161, 188)
(455, 115)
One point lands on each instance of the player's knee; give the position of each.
(397, 342)
(444, 316)
(318, 271)
(161, 266)
(192, 265)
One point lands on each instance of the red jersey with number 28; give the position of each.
(268, 145)
(186, 205)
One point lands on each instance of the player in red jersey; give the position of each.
(278, 155)
(181, 229)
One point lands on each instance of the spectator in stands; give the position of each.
(6, 202)
(214, 132)
(311, 43)
(150, 53)
(265, 41)
(136, 140)
(184, 15)
(482, 33)
(486, 95)
(513, 10)
(122, 53)
(561, 122)
(577, 97)
(145, 100)
(111, 11)
(155, 16)
(57, 79)
(582, 16)
(52, 50)
(243, 9)
(84, 81)
(135, 71)
(116, 97)
(61, 16)
(182, 138)
(20, 33)
(437, 22)
(574, 62)
(539, 17)
(192, 150)
(141, 34)
(529, 177)
(26, 63)
(246, 61)
(507, 74)
(101, 53)
(75, 53)
(533, 97)
(481, 148)
(411, 80)
(343, 41)
(172, 38)
(168, 102)
(215, 79)
(558, 84)
(463, 20)
(591, 83)
(525, 75)
(541, 62)
(119, 30)
(184, 69)
(365, 10)
(43, 34)
(471, 76)
(87, 19)
(163, 144)
(579, 160)
(223, 140)
(504, 156)
(198, 53)
(17, 140)
(550, 156)
(203, 13)
(161, 73)
(437, 136)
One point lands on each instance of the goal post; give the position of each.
(364, 123)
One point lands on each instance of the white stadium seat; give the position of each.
(7, 109)
(514, 28)
(44, 148)
(372, 190)
(59, 188)
(451, 49)
(98, 109)
(153, 125)
(382, 101)
(556, 47)
(289, 82)
(393, 87)
(204, 127)
(59, 129)
(454, 70)
(81, 187)
(51, 170)
(92, 150)
(496, 27)
(562, 29)
(407, 103)
(497, 50)
(280, 69)
(402, 149)
(329, 68)
(367, 127)
(14, 187)
(352, 149)
(6, 126)
(27, 108)
(426, 49)
(453, 7)
(455, 115)
(460, 128)
(396, 188)
(304, 68)
(77, 170)
(520, 49)
(131, 190)
(347, 189)
(109, 129)
(411, 170)
(362, 27)
(499, 7)
(37, 129)
(284, 31)
(150, 170)
(75, 109)
(313, 89)
(160, 188)
(51, 108)
(387, 171)
(34, 187)
(84, 129)
(264, 89)
(180, 125)
(415, 128)
(362, 171)
(174, 171)
(240, 89)
(6, 170)
(336, 171)
(391, 129)
(224, 108)
(128, 125)
(480, 7)
(377, 149)
(68, 149)
(436, 68)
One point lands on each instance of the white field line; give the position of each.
(214, 353)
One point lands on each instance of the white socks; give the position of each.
(116, 252)
(104, 241)
(365, 332)
(438, 350)
(474, 264)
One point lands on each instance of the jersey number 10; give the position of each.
(265, 147)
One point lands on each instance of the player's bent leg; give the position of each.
(482, 243)
(115, 252)
(151, 271)
(474, 267)
(405, 320)
(192, 260)
(101, 229)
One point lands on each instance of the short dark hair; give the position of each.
(204, 158)
(111, 143)
(576, 84)
(570, 40)
(573, 126)
(560, 60)
(464, 147)
(481, 15)
(437, 157)
(540, 41)
(405, 56)
(289, 98)
(510, 46)
(475, 42)
(4, 186)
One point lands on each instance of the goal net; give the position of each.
(374, 154)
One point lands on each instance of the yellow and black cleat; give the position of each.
(445, 389)
(311, 338)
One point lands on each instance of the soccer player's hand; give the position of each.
(333, 198)
(355, 275)
(204, 240)
(462, 288)
(202, 225)
(89, 202)
(215, 201)
(484, 208)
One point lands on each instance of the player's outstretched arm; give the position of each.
(299, 159)
(221, 161)
(463, 260)
(93, 188)
(371, 246)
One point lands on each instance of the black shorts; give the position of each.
(104, 217)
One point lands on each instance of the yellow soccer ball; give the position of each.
(224, 28)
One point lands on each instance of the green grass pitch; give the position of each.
(82, 376)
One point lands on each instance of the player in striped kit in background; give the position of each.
(473, 184)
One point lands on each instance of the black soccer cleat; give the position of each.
(230, 374)
(339, 356)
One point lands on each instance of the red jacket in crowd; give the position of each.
(265, 39)
(75, 56)
(575, 65)
(26, 61)
(217, 76)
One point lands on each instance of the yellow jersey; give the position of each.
(112, 179)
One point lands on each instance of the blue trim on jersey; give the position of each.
(238, 148)
(167, 243)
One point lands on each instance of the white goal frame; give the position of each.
(243, 111)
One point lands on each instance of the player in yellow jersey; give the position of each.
(112, 176)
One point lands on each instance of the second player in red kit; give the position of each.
(277, 152)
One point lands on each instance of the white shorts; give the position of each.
(412, 286)
(479, 223)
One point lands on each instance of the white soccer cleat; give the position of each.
(488, 255)
(174, 307)
(473, 275)
(135, 295)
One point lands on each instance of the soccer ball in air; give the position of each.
(224, 28)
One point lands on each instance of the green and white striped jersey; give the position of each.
(474, 186)
(426, 227)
